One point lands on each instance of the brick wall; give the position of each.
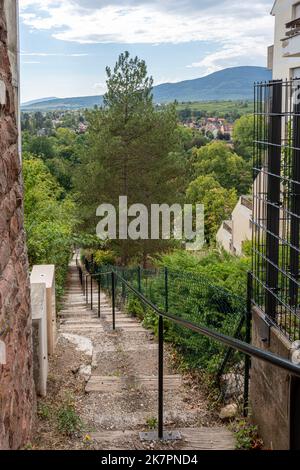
(16, 383)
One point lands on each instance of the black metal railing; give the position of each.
(191, 296)
(112, 278)
(276, 204)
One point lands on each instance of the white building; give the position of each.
(233, 233)
(284, 55)
(284, 60)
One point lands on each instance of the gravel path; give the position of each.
(113, 375)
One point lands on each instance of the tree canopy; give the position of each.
(228, 168)
(243, 136)
(218, 203)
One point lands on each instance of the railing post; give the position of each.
(273, 199)
(99, 296)
(113, 295)
(86, 289)
(248, 340)
(166, 289)
(123, 292)
(139, 279)
(91, 292)
(161, 378)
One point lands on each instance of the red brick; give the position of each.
(17, 396)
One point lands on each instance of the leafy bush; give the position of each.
(104, 257)
(135, 308)
(198, 292)
(49, 219)
(247, 436)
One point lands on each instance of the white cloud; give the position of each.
(51, 54)
(232, 54)
(132, 21)
(237, 29)
(100, 88)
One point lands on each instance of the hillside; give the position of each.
(229, 84)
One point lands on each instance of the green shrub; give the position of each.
(49, 219)
(134, 307)
(247, 436)
(198, 292)
(104, 257)
(68, 422)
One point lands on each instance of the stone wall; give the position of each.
(16, 381)
(270, 387)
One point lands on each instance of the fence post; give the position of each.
(123, 292)
(113, 295)
(166, 289)
(86, 289)
(139, 279)
(248, 340)
(99, 296)
(273, 198)
(161, 378)
(91, 292)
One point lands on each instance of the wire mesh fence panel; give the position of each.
(276, 203)
(191, 297)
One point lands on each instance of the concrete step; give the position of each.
(117, 384)
(203, 438)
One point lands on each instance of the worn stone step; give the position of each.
(129, 348)
(117, 384)
(85, 321)
(192, 439)
(77, 328)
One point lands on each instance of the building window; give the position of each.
(296, 11)
(295, 73)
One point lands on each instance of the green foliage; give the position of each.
(132, 150)
(87, 240)
(247, 436)
(135, 308)
(207, 289)
(44, 411)
(68, 421)
(40, 147)
(218, 203)
(60, 151)
(104, 257)
(219, 268)
(243, 136)
(190, 138)
(230, 110)
(230, 170)
(152, 423)
(49, 219)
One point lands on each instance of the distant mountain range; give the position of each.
(234, 83)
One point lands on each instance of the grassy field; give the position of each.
(218, 107)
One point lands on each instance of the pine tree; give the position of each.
(131, 150)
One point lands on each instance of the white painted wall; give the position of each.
(284, 12)
(241, 227)
(224, 239)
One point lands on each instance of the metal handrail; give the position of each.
(233, 343)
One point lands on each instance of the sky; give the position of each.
(66, 44)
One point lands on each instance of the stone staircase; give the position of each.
(121, 397)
